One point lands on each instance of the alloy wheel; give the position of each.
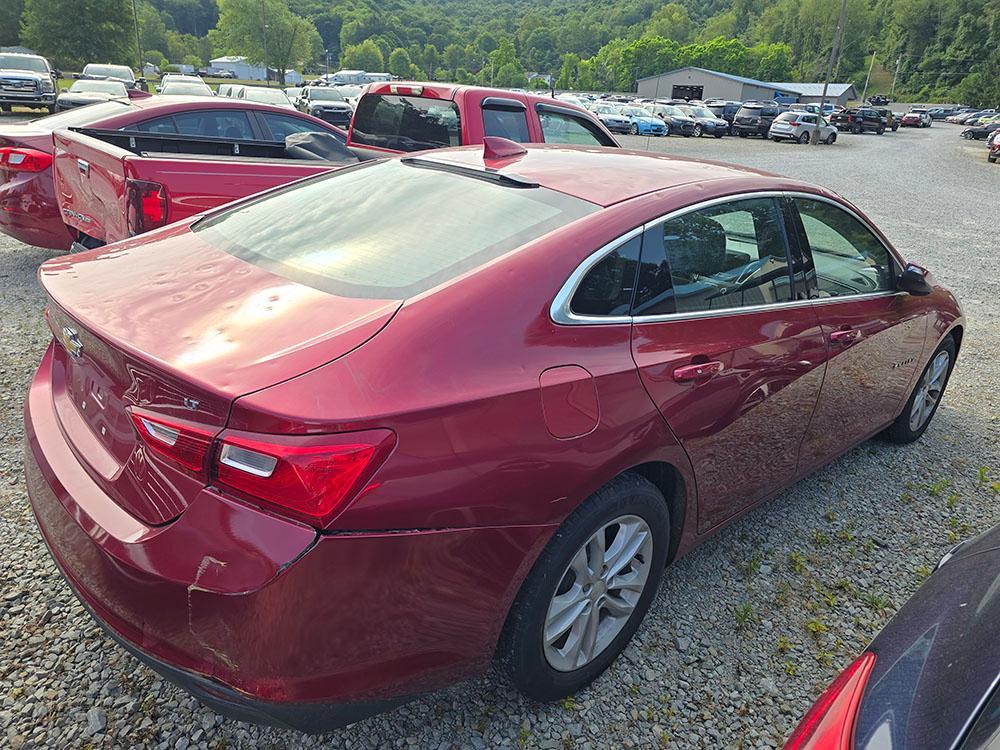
(929, 390)
(597, 593)
(697, 131)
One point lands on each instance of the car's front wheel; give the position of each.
(697, 131)
(634, 130)
(926, 396)
(831, 139)
(588, 591)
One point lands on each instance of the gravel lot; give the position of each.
(746, 631)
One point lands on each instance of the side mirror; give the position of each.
(913, 280)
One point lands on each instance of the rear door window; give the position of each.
(506, 119)
(406, 123)
(215, 124)
(721, 257)
(281, 126)
(564, 127)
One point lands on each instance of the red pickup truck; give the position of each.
(115, 184)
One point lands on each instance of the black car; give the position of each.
(931, 679)
(326, 103)
(755, 118)
(858, 120)
(980, 132)
(723, 108)
(879, 100)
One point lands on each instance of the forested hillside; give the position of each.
(945, 49)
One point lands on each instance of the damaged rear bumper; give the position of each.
(263, 618)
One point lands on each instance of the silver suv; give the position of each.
(801, 127)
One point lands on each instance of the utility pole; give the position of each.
(263, 23)
(864, 94)
(834, 54)
(138, 40)
(892, 91)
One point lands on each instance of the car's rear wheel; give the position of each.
(588, 591)
(991, 158)
(804, 138)
(831, 139)
(856, 129)
(926, 397)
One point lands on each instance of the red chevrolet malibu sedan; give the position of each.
(344, 442)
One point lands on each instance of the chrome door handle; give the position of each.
(848, 336)
(83, 166)
(701, 371)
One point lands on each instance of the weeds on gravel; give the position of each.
(824, 657)
(906, 497)
(875, 602)
(820, 538)
(922, 572)
(984, 475)
(569, 704)
(830, 516)
(952, 500)
(784, 645)
(796, 561)
(816, 627)
(938, 487)
(744, 615)
(791, 668)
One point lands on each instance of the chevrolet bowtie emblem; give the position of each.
(71, 340)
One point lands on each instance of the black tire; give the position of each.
(880, 130)
(521, 651)
(52, 109)
(831, 139)
(900, 430)
(718, 135)
(634, 130)
(895, 127)
(5, 108)
(991, 158)
(741, 134)
(697, 131)
(856, 128)
(804, 138)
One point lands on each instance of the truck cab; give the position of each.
(401, 117)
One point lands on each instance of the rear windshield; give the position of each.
(105, 87)
(750, 111)
(406, 123)
(386, 229)
(110, 71)
(788, 116)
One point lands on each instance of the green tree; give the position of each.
(10, 22)
(569, 71)
(72, 33)
(430, 59)
(511, 75)
(671, 21)
(152, 28)
(454, 57)
(399, 62)
(364, 56)
(291, 39)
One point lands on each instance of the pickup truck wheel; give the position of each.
(52, 109)
(588, 591)
(856, 129)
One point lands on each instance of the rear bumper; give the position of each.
(261, 617)
(750, 129)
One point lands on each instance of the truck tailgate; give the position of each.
(92, 177)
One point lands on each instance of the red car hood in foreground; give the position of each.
(170, 326)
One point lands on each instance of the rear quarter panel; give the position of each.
(89, 180)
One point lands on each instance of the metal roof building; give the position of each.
(693, 82)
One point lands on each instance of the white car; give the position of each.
(801, 127)
(265, 96)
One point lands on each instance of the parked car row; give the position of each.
(547, 457)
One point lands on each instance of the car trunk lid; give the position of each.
(177, 329)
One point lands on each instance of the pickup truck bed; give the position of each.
(113, 184)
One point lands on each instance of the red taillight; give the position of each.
(309, 478)
(829, 724)
(147, 205)
(24, 159)
(182, 443)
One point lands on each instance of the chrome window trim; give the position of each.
(561, 313)
(560, 310)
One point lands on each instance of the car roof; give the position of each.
(606, 176)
